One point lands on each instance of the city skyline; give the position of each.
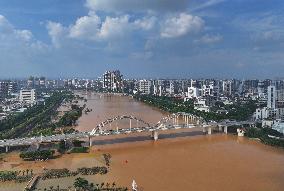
(185, 39)
(118, 95)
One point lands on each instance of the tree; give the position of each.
(61, 146)
(81, 183)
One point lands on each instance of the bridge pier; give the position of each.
(209, 130)
(220, 128)
(7, 149)
(226, 129)
(90, 141)
(155, 135)
(203, 129)
(65, 143)
(177, 120)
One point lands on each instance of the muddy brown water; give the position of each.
(180, 161)
(108, 106)
(218, 162)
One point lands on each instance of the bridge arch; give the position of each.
(187, 116)
(101, 127)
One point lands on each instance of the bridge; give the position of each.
(110, 126)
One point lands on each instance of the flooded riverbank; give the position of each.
(218, 162)
(181, 160)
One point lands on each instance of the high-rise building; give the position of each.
(144, 86)
(4, 86)
(172, 87)
(28, 96)
(12, 87)
(192, 92)
(42, 82)
(271, 97)
(112, 81)
(227, 87)
(280, 98)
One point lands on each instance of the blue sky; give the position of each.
(161, 38)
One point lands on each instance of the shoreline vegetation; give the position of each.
(237, 112)
(17, 176)
(69, 118)
(37, 155)
(35, 119)
(267, 136)
(44, 119)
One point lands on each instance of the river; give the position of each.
(108, 106)
(216, 162)
(181, 160)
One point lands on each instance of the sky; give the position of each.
(143, 39)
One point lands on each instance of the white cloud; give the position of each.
(181, 25)
(11, 36)
(209, 39)
(136, 5)
(86, 27)
(8, 32)
(5, 26)
(115, 27)
(18, 49)
(146, 23)
(93, 28)
(25, 35)
(56, 32)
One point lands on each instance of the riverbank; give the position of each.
(94, 162)
(200, 162)
(178, 161)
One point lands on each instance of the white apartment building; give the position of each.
(200, 104)
(278, 126)
(207, 90)
(261, 113)
(112, 81)
(274, 112)
(192, 92)
(144, 86)
(227, 87)
(172, 87)
(28, 96)
(157, 90)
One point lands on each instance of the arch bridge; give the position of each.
(107, 127)
(102, 127)
(172, 121)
